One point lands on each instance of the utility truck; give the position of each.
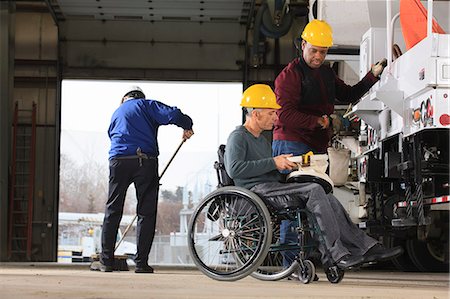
(403, 142)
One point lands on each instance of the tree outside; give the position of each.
(84, 189)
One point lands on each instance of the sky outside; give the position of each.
(87, 107)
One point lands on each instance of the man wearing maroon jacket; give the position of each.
(306, 90)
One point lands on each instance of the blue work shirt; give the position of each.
(135, 124)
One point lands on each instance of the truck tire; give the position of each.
(426, 256)
(402, 262)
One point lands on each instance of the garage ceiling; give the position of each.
(153, 10)
(140, 38)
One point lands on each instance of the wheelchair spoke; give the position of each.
(256, 229)
(249, 238)
(252, 220)
(244, 244)
(216, 238)
(229, 234)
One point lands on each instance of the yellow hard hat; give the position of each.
(259, 96)
(318, 33)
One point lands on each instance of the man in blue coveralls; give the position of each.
(133, 158)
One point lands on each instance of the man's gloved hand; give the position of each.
(323, 121)
(378, 67)
(336, 122)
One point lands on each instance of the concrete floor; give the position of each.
(44, 280)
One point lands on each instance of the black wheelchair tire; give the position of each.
(334, 274)
(243, 269)
(307, 272)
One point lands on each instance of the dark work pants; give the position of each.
(123, 172)
(287, 231)
(341, 235)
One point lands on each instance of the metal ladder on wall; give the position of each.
(22, 184)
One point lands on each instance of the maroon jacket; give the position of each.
(305, 94)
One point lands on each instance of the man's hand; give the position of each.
(187, 134)
(324, 121)
(282, 163)
(378, 67)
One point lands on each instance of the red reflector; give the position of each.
(444, 119)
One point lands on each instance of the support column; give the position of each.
(7, 33)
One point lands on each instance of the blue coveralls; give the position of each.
(133, 158)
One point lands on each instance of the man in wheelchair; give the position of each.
(248, 161)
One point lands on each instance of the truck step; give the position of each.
(404, 222)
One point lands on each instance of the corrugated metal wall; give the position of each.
(33, 43)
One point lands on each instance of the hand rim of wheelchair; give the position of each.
(273, 269)
(306, 178)
(243, 267)
(284, 273)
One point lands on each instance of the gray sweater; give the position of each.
(248, 159)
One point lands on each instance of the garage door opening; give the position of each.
(86, 110)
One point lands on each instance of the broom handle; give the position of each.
(135, 216)
(171, 159)
(125, 232)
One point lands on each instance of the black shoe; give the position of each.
(143, 269)
(349, 261)
(98, 266)
(380, 253)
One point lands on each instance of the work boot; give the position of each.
(98, 266)
(143, 269)
(380, 253)
(349, 261)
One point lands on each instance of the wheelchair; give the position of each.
(234, 233)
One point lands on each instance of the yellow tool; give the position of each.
(306, 160)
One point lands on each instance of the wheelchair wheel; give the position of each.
(306, 272)
(271, 268)
(334, 274)
(229, 233)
